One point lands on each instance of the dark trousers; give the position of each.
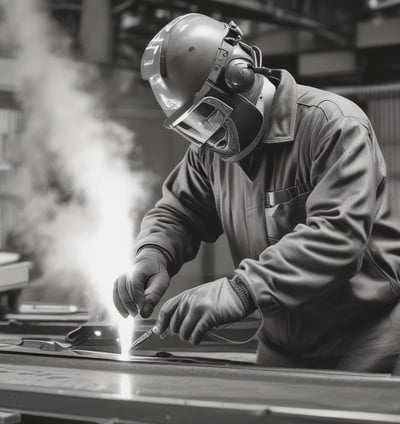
(369, 346)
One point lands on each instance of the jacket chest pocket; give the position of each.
(284, 209)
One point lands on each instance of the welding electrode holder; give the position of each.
(145, 336)
(210, 334)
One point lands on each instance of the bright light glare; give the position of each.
(93, 236)
(125, 385)
(126, 328)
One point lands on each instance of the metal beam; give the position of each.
(286, 41)
(376, 5)
(247, 9)
(122, 6)
(65, 6)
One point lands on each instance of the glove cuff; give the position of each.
(153, 252)
(243, 293)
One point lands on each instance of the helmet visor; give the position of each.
(152, 69)
(202, 122)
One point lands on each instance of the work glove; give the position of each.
(194, 312)
(142, 287)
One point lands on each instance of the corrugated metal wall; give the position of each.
(385, 116)
(382, 105)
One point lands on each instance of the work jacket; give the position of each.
(308, 222)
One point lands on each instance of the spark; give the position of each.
(126, 331)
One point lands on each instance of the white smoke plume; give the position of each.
(85, 194)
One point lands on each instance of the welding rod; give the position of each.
(143, 337)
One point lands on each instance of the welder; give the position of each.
(295, 178)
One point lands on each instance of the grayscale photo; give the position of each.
(199, 211)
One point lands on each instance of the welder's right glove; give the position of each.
(141, 288)
(194, 312)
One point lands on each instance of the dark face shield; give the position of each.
(201, 123)
(226, 123)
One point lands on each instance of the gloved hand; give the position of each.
(143, 286)
(194, 312)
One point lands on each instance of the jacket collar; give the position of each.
(282, 116)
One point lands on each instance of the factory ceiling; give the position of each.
(134, 22)
(115, 32)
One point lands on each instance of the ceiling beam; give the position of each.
(376, 5)
(254, 11)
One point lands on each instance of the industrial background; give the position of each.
(83, 154)
(350, 47)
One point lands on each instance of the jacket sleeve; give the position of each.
(318, 257)
(185, 215)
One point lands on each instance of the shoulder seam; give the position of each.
(357, 118)
(315, 106)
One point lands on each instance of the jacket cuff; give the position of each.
(267, 306)
(157, 252)
(167, 250)
(243, 293)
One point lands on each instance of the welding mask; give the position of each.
(202, 75)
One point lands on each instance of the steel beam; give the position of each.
(383, 4)
(251, 10)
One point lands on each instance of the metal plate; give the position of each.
(159, 392)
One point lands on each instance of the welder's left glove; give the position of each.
(194, 312)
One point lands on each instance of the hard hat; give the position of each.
(202, 75)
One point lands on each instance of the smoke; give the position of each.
(79, 213)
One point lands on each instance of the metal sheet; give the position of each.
(60, 383)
